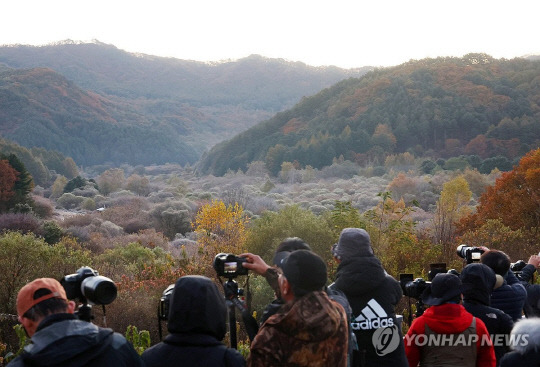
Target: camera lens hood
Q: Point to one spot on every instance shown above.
(99, 290)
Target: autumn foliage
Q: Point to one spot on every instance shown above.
(514, 199)
(8, 176)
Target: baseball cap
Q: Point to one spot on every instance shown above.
(25, 298)
(444, 287)
(305, 270)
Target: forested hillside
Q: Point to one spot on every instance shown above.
(444, 107)
(40, 108)
(99, 104)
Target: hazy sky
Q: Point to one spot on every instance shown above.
(345, 33)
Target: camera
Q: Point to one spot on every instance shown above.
(469, 253)
(89, 287)
(415, 287)
(164, 302)
(412, 288)
(229, 265)
(517, 268)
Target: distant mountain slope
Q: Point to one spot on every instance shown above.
(40, 108)
(440, 107)
(192, 105)
(255, 81)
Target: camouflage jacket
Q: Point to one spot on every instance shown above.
(310, 331)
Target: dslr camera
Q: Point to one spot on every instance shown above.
(164, 303)
(89, 287)
(469, 253)
(517, 268)
(229, 265)
(412, 288)
(415, 287)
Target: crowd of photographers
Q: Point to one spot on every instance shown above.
(483, 316)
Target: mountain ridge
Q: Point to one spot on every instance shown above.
(443, 107)
(187, 103)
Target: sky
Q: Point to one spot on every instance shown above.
(344, 33)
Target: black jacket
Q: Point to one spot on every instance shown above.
(63, 341)
(510, 297)
(196, 325)
(532, 305)
(367, 286)
(479, 279)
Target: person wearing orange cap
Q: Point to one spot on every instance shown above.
(59, 339)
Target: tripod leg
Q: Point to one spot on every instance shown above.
(232, 326)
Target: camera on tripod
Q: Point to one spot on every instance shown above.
(89, 288)
(164, 303)
(229, 265)
(469, 253)
(414, 288)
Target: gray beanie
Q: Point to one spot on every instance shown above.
(353, 242)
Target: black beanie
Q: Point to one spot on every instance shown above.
(305, 271)
(353, 242)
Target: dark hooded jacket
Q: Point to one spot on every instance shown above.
(196, 325)
(479, 280)
(372, 295)
(366, 284)
(526, 336)
(62, 340)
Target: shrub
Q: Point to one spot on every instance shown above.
(89, 204)
(24, 257)
(52, 233)
(271, 228)
(21, 222)
(69, 201)
(78, 220)
(42, 207)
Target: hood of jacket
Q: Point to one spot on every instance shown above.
(525, 335)
(311, 318)
(197, 307)
(358, 275)
(481, 279)
(448, 318)
(69, 341)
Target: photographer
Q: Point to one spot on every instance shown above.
(532, 304)
(361, 276)
(197, 325)
(257, 265)
(480, 280)
(511, 295)
(58, 338)
(309, 329)
(446, 334)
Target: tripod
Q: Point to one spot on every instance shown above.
(420, 308)
(231, 298)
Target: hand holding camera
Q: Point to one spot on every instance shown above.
(255, 263)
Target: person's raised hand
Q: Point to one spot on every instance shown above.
(534, 260)
(255, 263)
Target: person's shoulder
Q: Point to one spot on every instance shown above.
(234, 358)
(17, 362)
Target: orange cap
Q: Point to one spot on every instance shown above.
(25, 298)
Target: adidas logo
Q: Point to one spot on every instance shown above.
(372, 316)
